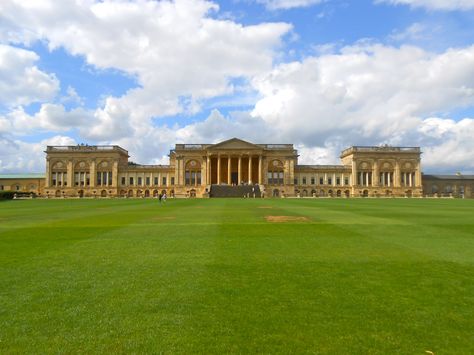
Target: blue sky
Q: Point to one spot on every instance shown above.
(323, 75)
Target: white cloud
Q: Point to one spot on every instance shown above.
(16, 155)
(287, 4)
(177, 51)
(434, 4)
(366, 95)
(21, 82)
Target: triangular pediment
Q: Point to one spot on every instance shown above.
(234, 143)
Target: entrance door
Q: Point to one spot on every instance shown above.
(234, 178)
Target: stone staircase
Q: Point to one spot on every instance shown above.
(235, 191)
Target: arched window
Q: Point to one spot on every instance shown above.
(275, 174)
(81, 174)
(192, 174)
(59, 174)
(104, 173)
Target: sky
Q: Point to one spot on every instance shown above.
(321, 74)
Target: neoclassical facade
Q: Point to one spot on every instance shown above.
(238, 168)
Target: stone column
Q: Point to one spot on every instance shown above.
(260, 170)
(168, 182)
(92, 172)
(410, 181)
(115, 174)
(70, 174)
(418, 182)
(239, 168)
(208, 170)
(354, 173)
(334, 179)
(396, 180)
(250, 168)
(229, 165)
(376, 174)
(218, 169)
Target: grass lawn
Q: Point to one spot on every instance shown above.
(348, 276)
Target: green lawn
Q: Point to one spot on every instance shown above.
(358, 276)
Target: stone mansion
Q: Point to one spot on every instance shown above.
(236, 168)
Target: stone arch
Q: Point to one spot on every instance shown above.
(365, 193)
(123, 193)
(313, 193)
(103, 193)
(155, 193)
(305, 193)
(347, 193)
(322, 193)
(147, 193)
(330, 193)
(57, 193)
(130, 193)
(81, 193)
(192, 193)
(338, 193)
(276, 193)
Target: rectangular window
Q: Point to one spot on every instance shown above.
(164, 180)
(123, 180)
(172, 179)
(338, 181)
(54, 181)
(131, 181)
(110, 178)
(295, 181)
(187, 176)
(312, 181)
(321, 181)
(76, 179)
(280, 178)
(193, 177)
(147, 181)
(270, 178)
(104, 178)
(64, 179)
(304, 180)
(88, 179)
(139, 181)
(346, 181)
(155, 181)
(99, 179)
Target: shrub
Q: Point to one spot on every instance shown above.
(6, 195)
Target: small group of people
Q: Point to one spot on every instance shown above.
(162, 197)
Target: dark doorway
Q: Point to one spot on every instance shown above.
(234, 178)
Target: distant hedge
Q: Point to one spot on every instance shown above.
(9, 195)
(6, 195)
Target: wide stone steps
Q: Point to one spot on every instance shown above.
(235, 191)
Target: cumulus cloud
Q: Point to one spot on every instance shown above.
(17, 155)
(21, 82)
(365, 95)
(434, 4)
(287, 4)
(178, 53)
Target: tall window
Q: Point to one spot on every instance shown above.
(81, 174)
(275, 173)
(192, 174)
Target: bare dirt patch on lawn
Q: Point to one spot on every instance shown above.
(286, 219)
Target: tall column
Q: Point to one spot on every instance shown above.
(260, 170)
(208, 171)
(168, 182)
(396, 180)
(334, 179)
(70, 174)
(418, 182)
(376, 174)
(239, 170)
(410, 181)
(342, 179)
(93, 175)
(250, 169)
(229, 165)
(47, 182)
(115, 174)
(218, 169)
(354, 173)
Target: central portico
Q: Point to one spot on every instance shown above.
(233, 162)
